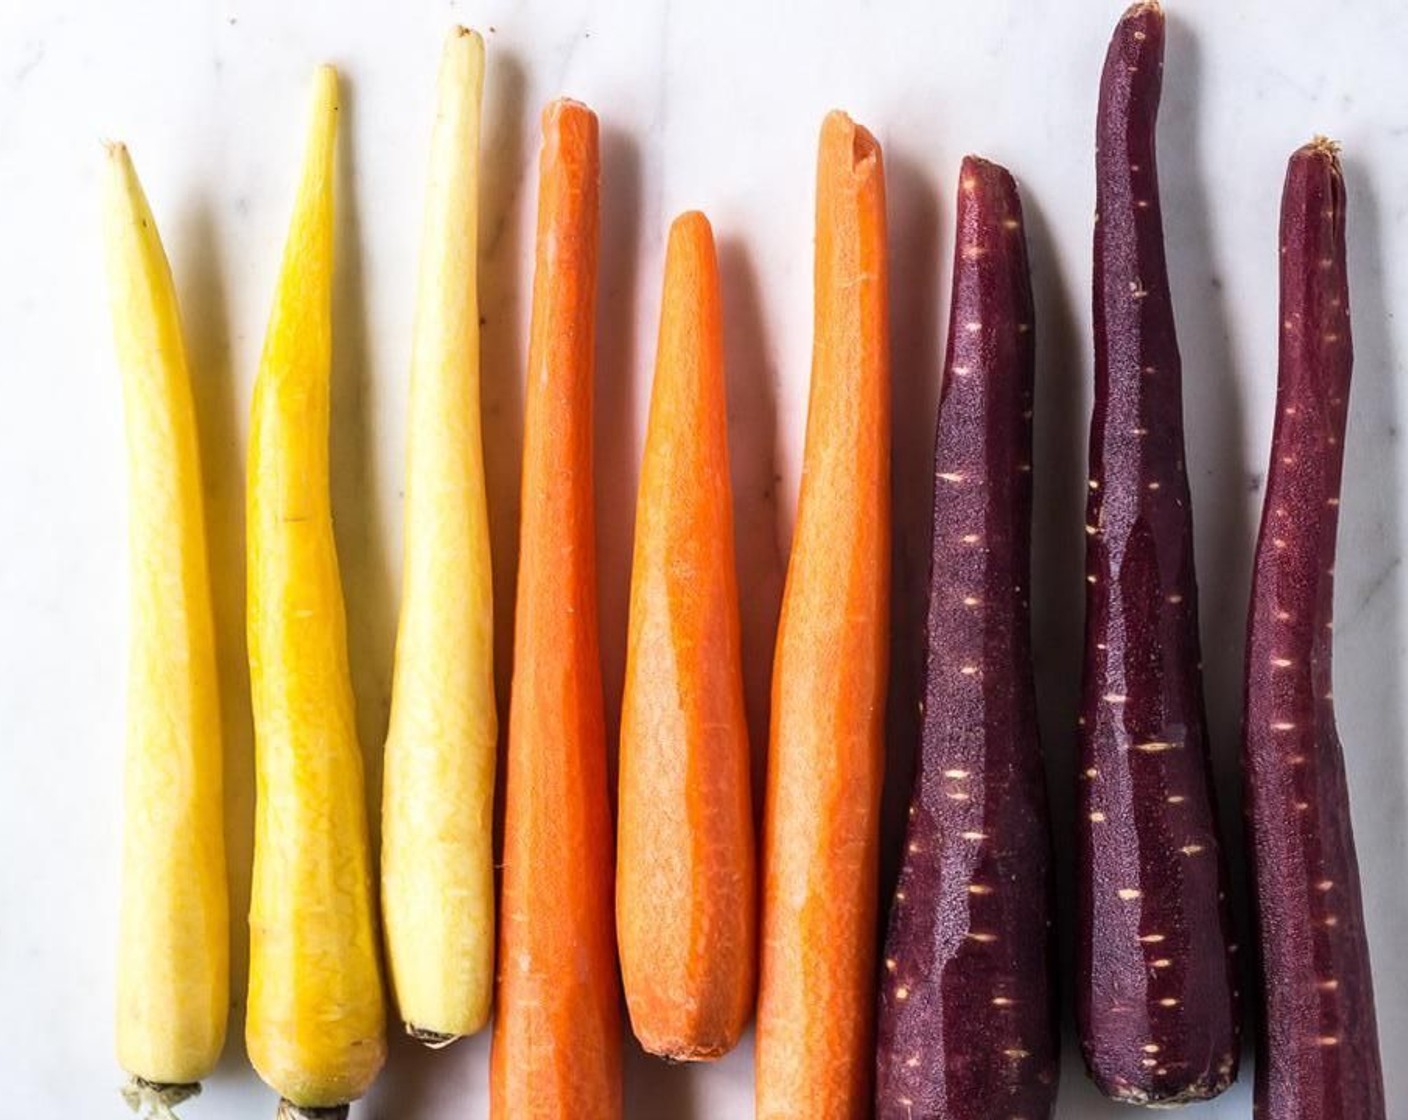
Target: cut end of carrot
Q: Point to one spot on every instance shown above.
(566, 114)
(325, 86)
(979, 172)
(157, 1100)
(570, 132)
(1152, 8)
(839, 132)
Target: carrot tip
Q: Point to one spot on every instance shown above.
(690, 1055)
(1145, 7)
(865, 150)
(434, 1040)
(562, 109)
(157, 1100)
(691, 218)
(980, 169)
(1323, 146)
(839, 129)
(290, 1111)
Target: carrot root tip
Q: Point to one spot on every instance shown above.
(290, 1111)
(679, 1054)
(1323, 145)
(435, 1040)
(1204, 1091)
(157, 1100)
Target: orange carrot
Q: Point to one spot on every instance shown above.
(821, 834)
(557, 1032)
(686, 901)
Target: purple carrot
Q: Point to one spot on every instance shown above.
(1156, 996)
(966, 1029)
(1319, 1048)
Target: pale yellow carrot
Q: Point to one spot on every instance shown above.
(437, 872)
(173, 993)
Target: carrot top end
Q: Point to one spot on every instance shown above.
(1322, 146)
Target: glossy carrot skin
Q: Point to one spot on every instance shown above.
(557, 1033)
(686, 884)
(1156, 1000)
(967, 1024)
(815, 1049)
(1318, 1057)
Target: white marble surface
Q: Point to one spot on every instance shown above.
(709, 105)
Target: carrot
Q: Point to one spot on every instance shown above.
(316, 1025)
(1319, 1049)
(1156, 997)
(686, 897)
(173, 986)
(821, 827)
(967, 1012)
(437, 857)
(557, 1030)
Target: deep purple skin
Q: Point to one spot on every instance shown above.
(966, 1019)
(1318, 1057)
(1156, 999)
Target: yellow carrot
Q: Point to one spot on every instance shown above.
(316, 1024)
(438, 802)
(173, 993)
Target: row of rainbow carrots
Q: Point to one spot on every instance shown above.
(679, 904)
(702, 938)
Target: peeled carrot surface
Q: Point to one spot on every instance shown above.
(821, 832)
(557, 1029)
(437, 876)
(1318, 1054)
(686, 899)
(315, 1027)
(173, 988)
(967, 1026)
(1156, 986)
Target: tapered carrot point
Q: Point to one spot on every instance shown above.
(686, 883)
(557, 1046)
(821, 829)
